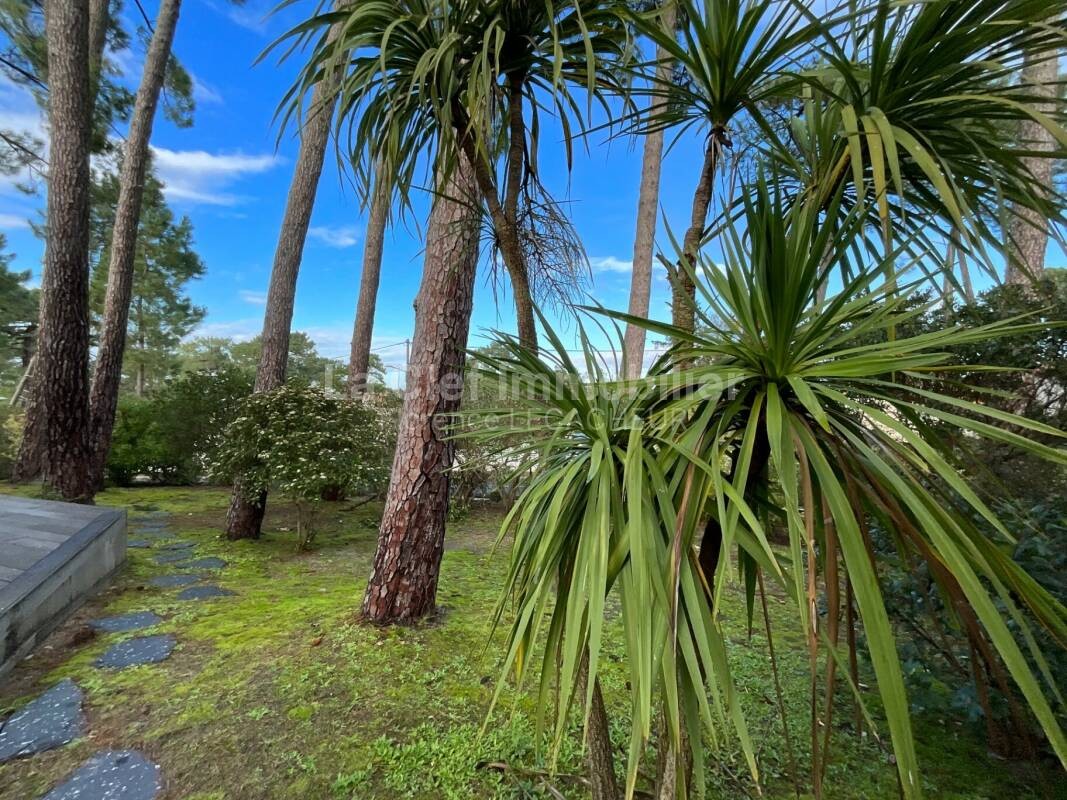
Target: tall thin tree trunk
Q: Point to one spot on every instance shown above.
(683, 290)
(63, 345)
(965, 278)
(1028, 235)
(948, 288)
(647, 208)
(599, 757)
(403, 583)
(363, 327)
(504, 216)
(99, 14)
(107, 375)
(28, 461)
(245, 516)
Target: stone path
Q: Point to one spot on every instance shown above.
(52, 720)
(136, 652)
(204, 563)
(127, 622)
(111, 775)
(171, 557)
(56, 717)
(172, 581)
(176, 545)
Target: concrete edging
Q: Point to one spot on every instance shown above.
(36, 602)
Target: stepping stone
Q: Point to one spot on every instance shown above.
(172, 557)
(138, 543)
(176, 546)
(134, 652)
(127, 622)
(111, 775)
(53, 719)
(204, 593)
(172, 581)
(204, 563)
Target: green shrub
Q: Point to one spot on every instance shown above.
(169, 436)
(137, 448)
(304, 444)
(10, 433)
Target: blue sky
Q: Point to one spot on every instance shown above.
(230, 176)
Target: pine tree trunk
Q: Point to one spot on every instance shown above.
(63, 345)
(647, 208)
(1028, 235)
(683, 290)
(363, 328)
(27, 464)
(99, 13)
(403, 583)
(245, 517)
(107, 375)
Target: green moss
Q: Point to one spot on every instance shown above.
(279, 692)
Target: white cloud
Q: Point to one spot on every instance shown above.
(253, 298)
(204, 93)
(128, 63)
(610, 264)
(339, 236)
(10, 222)
(197, 176)
(240, 329)
(252, 16)
(20, 114)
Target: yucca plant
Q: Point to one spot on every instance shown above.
(784, 414)
(735, 57)
(423, 81)
(915, 107)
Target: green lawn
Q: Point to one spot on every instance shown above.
(279, 692)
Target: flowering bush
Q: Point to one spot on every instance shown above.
(304, 444)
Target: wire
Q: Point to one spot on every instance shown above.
(404, 343)
(24, 73)
(144, 16)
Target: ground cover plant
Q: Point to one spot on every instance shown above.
(278, 692)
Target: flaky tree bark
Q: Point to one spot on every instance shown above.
(62, 396)
(245, 516)
(363, 327)
(28, 462)
(403, 583)
(107, 375)
(647, 207)
(1028, 235)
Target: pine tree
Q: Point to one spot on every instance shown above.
(18, 320)
(161, 314)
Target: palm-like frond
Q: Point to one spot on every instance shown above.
(601, 515)
(733, 55)
(917, 106)
(824, 419)
(416, 76)
(845, 420)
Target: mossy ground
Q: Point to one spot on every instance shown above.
(280, 692)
